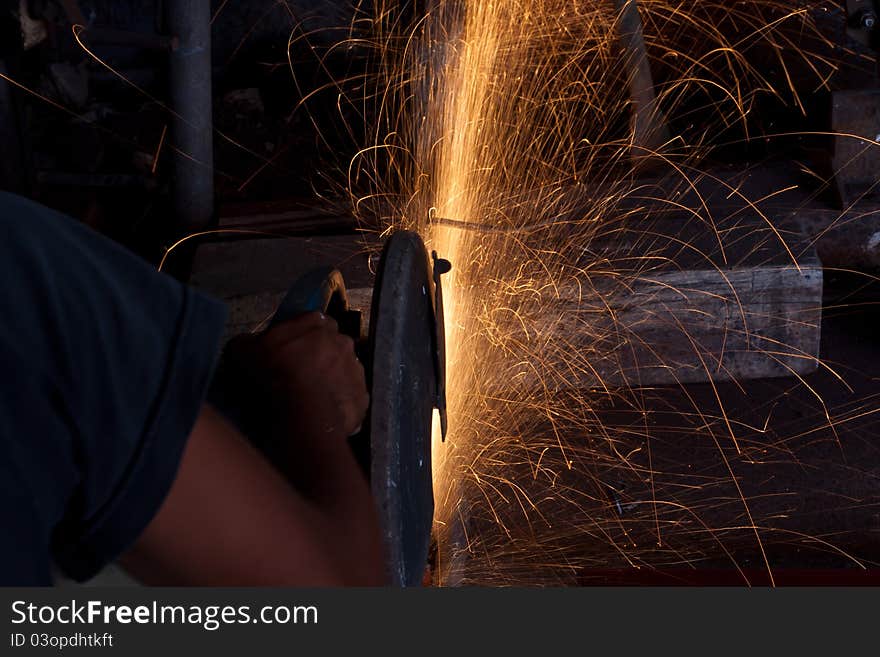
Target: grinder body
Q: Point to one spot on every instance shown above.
(404, 361)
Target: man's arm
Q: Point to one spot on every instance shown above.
(230, 519)
(106, 366)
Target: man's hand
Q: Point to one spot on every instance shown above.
(304, 382)
(316, 524)
(310, 371)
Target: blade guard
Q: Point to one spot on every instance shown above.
(407, 382)
(320, 290)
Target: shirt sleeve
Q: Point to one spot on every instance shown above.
(114, 359)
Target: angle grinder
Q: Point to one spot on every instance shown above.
(404, 361)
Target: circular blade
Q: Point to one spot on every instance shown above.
(403, 391)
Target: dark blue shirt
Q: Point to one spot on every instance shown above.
(104, 364)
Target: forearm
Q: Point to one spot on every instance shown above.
(304, 391)
(328, 474)
(231, 519)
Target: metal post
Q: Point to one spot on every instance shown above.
(649, 130)
(192, 182)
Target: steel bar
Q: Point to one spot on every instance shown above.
(649, 130)
(192, 179)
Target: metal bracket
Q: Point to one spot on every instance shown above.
(441, 266)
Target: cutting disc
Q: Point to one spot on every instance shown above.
(404, 391)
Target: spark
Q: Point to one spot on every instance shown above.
(501, 131)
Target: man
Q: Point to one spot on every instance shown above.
(107, 447)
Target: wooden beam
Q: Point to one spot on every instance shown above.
(855, 122)
(733, 300)
(843, 240)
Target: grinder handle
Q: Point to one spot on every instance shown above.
(321, 290)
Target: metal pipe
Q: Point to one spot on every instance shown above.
(191, 134)
(648, 125)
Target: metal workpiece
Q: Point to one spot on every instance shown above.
(192, 127)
